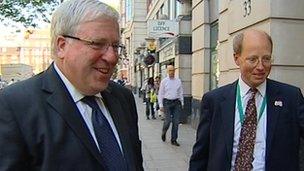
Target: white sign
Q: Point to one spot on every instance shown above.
(167, 53)
(162, 28)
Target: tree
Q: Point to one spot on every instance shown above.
(27, 12)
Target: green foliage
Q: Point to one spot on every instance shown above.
(30, 13)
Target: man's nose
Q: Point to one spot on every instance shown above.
(260, 64)
(110, 55)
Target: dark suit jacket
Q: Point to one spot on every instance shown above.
(285, 125)
(42, 129)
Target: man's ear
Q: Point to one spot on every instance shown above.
(60, 46)
(236, 57)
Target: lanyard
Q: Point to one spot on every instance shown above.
(240, 105)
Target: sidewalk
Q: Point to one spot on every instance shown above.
(162, 156)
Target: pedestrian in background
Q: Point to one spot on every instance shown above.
(121, 80)
(143, 90)
(156, 86)
(254, 123)
(171, 101)
(71, 117)
(150, 91)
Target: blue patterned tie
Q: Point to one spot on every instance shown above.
(109, 148)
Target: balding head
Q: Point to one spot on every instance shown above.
(252, 54)
(171, 71)
(238, 39)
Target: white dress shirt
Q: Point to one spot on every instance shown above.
(170, 88)
(260, 142)
(86, 110)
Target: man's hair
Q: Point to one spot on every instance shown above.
(71, 13)
(238, 42)
(150, 81)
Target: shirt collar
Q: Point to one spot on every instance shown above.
(76, 95)
(245, 88)
(169, 78)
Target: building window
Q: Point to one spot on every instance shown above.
(214, 61)
(128, 10)
(171, 9)
(178, 9)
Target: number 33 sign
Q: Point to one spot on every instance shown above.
(247, 8)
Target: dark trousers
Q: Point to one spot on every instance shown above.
(144, 96)
(172, 112)
(149, 108)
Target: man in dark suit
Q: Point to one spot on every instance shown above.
(70, 117)
(254, 123)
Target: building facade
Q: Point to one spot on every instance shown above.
(216, 22)
(210, 26)
(133, 29)
(175, 50)
(30, 47)
(151, 54)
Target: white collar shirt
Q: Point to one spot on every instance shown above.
(86, 110)
(260, 142)
(170, 88)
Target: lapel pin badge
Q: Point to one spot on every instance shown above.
(278, 103)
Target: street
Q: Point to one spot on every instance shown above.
(159, 155)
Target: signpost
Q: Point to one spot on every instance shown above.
(162, 28)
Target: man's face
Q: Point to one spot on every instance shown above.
(255, 58)
(171, 71)
(87, 67)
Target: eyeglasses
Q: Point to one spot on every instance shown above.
(102, 46)
(265, 60)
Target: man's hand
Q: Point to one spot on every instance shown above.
(162, 109)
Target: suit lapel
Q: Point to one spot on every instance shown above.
(228, 115)
(273, 112)
(62, 102)
(115, 109)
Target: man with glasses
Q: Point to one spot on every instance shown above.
(254, 123)
(71, 116)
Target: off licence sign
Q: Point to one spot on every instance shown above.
(162, 28)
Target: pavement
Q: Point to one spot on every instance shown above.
(159, 155)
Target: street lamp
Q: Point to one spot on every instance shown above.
(139, 56)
